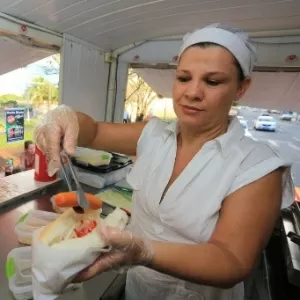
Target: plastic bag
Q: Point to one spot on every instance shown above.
(53, 268)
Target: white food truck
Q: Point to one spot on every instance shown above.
(100, 39)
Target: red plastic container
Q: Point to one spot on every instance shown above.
(41, 166)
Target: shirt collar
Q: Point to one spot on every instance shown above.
(235, 132)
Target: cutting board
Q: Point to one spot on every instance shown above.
(116, 198)
(20, 185)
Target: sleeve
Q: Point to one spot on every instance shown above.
(152, 129)
(261, 161)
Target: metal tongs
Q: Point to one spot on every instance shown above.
(82, 202)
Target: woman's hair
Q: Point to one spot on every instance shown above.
(27, 144)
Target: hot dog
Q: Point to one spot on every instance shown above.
(71, 230)
(69, 199)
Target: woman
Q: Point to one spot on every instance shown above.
(28, 156)
(206, 197)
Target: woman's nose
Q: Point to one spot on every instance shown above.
(194, 91)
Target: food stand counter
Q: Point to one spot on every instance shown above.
(103, 286)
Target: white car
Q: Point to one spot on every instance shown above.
(267, 123)
(245, 125)
(286, 117)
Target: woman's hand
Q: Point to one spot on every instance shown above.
(126, 250)
(60, 125)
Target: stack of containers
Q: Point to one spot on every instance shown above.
(19, 260)
(18, 273)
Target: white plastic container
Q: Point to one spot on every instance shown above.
(24, 233)
(38, 218)
(92, 157)
(30, 222)
(18, 273)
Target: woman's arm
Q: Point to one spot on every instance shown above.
(63, 127)
(246, 221)
(114, 137)
(22, 162)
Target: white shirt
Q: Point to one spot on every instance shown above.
(190, 208)
(126, 115)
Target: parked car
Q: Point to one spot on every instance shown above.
(267, 123)
(245, 125)
(286, 117)
(265, 114)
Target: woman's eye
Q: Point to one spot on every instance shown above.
(183, 79)
(212, 82)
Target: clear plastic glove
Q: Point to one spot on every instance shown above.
(127, 250)
(58, 127)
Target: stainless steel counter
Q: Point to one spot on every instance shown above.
(91, 290)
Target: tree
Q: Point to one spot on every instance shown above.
(139, 93)
(9, 97)
(41, 90)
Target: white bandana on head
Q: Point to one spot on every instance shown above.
(236, 43)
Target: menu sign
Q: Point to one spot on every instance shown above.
(14, 124)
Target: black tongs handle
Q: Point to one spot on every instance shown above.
(294, 237)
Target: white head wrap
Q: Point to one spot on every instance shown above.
(237, 42)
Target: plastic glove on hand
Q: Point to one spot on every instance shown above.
(127, 250)
(59, 124)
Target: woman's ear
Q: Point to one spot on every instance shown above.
(244, 85)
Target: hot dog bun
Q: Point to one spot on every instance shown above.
(62, 232)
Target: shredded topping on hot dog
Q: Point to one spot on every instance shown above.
(84, 227)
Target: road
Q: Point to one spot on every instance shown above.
(286, 139)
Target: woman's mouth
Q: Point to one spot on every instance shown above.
(190, 110)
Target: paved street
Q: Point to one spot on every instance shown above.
(286, 139)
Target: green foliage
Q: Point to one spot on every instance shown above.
(9, 103)
(42, 91)
(9, 97)
(30, 123)
(140, 93)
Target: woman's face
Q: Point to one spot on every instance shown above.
(205, 86)
(31, 149)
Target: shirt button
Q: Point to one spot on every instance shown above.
(158, 229)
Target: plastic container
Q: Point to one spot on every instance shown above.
(101, 180)
(38, 218)
(18, 273)
(31, 221)
(24, 233)
(92, 157)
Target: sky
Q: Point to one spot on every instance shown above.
(15, 82)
